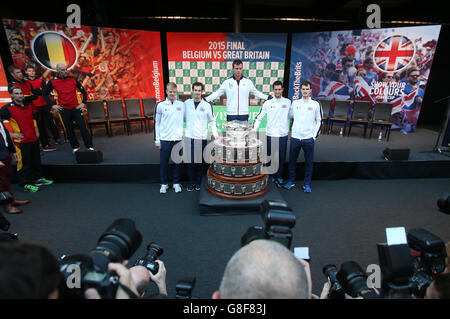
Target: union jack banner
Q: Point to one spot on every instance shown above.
(394, 53)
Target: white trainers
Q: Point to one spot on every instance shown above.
(163, 189)
(91, 149)
(177, 188)
(75, 150)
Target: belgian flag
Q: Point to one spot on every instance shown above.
(52, 48)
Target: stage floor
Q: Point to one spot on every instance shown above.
(139, 148)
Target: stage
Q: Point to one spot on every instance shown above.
(135, 158)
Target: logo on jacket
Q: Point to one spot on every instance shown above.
(178, 108)
(284, 106)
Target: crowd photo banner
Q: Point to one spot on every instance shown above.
(376, 65)
(208, 58)
(110, 63)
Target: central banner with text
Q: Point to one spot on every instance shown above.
(208, 58)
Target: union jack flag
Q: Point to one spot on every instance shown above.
(362, 90)
(394, 53)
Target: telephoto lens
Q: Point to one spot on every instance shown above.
(354, 281)
(336, 290)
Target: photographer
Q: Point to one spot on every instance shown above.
(439, 288)
(28, 271)
(141, 278)
(127, 288)
(264, 269)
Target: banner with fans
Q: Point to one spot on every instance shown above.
(376, 65)
(110, 63)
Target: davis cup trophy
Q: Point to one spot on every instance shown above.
(235, 172)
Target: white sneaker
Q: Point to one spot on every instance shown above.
(163, 189)
(75, 150)
(91, 149)
(177, 188)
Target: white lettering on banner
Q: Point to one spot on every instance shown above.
(235, 46)
(297, 75)
(232, 54)
(155, 77)
(197, 54)
(254, 55)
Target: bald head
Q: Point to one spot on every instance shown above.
(141, 278)
(264, 269)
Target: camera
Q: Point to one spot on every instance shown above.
(278, 219)
(408, 269)
(148, 260)
(336, 290)
(118, 243)
(184, 288)
(354, 281)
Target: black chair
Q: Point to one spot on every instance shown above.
(382, 118)
(326, 107)
(115, 114)
(360, 115)
(96, 115)
(340, 114)
(149, 105)
(134, 114)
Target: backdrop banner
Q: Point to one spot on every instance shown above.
(375, 65)
(110, 63)
(208, 57)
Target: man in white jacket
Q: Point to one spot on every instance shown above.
(198, 114)
(168, 132)
(277, 129)
(237, 88)
(306, 114)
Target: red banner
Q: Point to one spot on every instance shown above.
(110, 63)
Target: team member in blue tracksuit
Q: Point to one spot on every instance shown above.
(277, 127)
(169, 121)
(198, 113)
(306, 114)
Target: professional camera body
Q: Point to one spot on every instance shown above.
(148, 260)
(278, 219)
(408, 269)
(118, 243)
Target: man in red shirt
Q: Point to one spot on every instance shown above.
(30, 175)
(20, 81)
(68, 105)
(42, 113)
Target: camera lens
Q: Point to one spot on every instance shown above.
(354, 280)
(119, 241)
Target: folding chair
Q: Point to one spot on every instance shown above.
(382, 118)
(96, 115)
(326, 107)
(115, 114)
(134, 114)
(149, 105)
(340, 113)
(360, 115)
